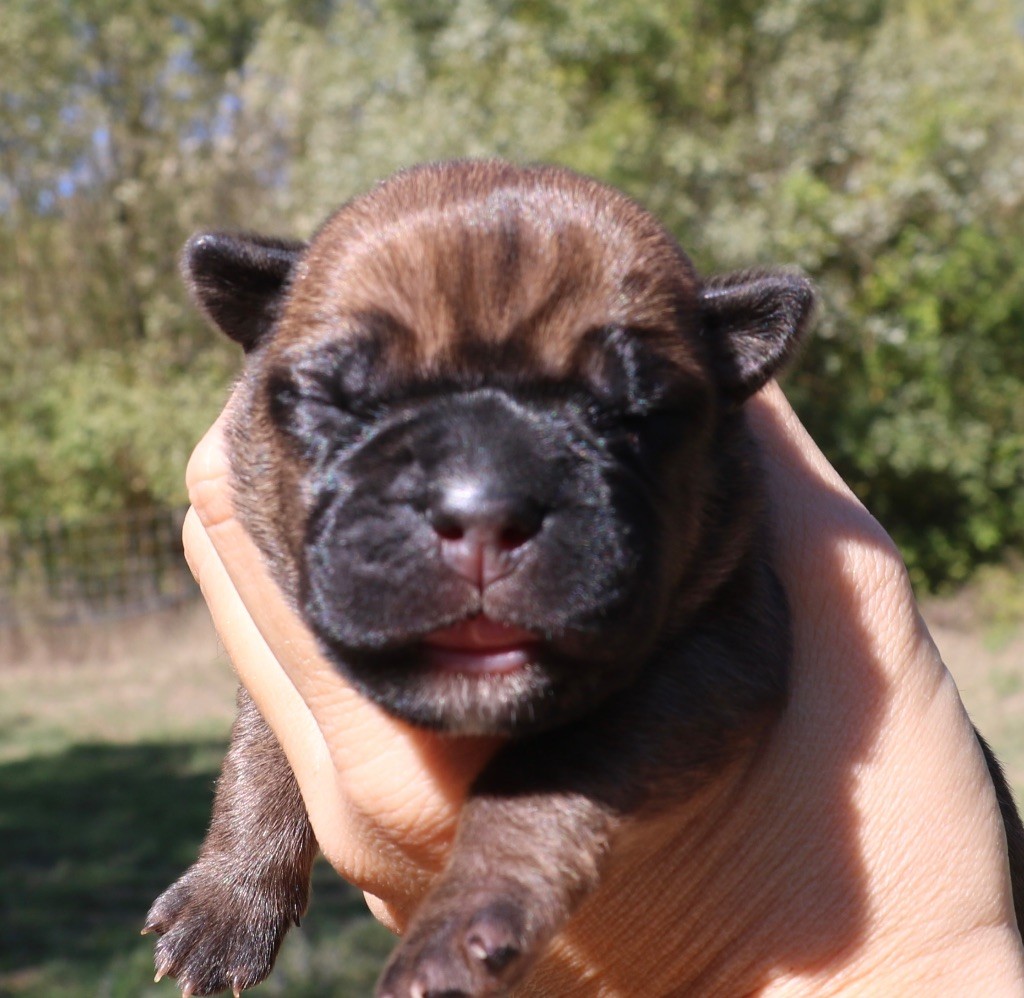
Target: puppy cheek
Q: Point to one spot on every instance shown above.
(373, 578)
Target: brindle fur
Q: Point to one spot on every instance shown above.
(461, 296)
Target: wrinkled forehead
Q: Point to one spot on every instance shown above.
(539, 266)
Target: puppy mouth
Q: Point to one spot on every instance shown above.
(479, 646)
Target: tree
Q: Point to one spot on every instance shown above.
(118, 139)
(877, 144)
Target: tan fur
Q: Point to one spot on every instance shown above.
(534, 264)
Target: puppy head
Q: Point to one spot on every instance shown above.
(488, 433)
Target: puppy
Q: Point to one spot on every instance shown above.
(490, 440)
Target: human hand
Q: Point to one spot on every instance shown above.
(861, 852)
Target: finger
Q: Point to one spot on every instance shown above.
(385, 913)
(402, 788)
(345, 832)
(866, 671)
(257, 667)
(835, 559)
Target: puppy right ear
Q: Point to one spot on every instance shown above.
(239, 281)
(756, 319)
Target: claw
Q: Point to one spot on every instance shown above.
(161, 969)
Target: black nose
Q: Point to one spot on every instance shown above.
(482, 533)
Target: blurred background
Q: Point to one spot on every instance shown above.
(877, 144)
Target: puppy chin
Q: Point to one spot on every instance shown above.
(477, 677)
(513, 702)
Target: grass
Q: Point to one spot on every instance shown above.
(107, 765)
(109, 748)
(989, 673)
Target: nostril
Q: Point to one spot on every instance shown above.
(512, 537)
(449, 531)
(447, 525)
(483, 543)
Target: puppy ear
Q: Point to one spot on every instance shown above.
(239, 280)
(755, 320)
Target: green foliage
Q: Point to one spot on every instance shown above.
(879, 145)
(98, 435)
(108, 762)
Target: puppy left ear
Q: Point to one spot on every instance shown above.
(239, 280)
(755, 320)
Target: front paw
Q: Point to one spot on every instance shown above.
(219, 932)
(467, 948)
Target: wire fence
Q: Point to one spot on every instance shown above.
(55, 572)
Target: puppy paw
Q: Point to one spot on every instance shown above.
(476, 951)
(218, 933)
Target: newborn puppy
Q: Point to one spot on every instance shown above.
(490, 440)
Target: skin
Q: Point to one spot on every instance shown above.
(859, 852)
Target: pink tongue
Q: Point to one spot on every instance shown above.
(479, 634)
(479, 647)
